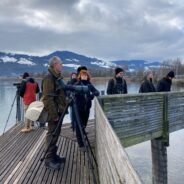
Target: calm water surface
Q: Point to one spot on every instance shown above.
(140, 155)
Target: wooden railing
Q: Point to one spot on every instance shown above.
(125, 120)
(141, 117)
(113, 163)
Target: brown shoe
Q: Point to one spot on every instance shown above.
(25, 130)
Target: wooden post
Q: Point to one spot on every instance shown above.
(159, 162)
(159, 150)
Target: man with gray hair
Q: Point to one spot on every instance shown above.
(54, 102)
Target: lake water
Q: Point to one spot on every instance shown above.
(7, 95)
(140, 154)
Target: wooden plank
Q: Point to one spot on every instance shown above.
(17, 154)
(66, 165)
(24, 165)
(65, 148)
(33, 167)
(27, 161)
(21, 155)
(74, 168)
(60, 152)
(70, 165)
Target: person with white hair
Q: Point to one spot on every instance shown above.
(54, 100)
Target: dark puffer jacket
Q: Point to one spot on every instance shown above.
(54, 101)
(83, 100)
(147, 87)
(164, 85)
(117, 86)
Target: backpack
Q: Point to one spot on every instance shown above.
(115, 83)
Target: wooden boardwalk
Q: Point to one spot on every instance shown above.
(20, 155)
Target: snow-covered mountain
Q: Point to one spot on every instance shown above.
(133, 65)
(15, 64)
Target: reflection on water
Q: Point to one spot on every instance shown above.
(140, 155)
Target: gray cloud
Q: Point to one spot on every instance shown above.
(106, 29)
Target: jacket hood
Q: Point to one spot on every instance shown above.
(30, 79)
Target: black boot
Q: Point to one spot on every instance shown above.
(59, 159)
(52, 165)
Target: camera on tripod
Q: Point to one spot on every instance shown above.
(72, 88)
(17, 84)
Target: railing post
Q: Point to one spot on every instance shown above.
(165, 134)
(159, 149)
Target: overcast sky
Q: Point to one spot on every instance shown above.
(106, 29)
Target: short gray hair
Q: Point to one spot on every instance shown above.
(54, 60)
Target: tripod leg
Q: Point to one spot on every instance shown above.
(10, 113)
(86, 144)
(59, 124)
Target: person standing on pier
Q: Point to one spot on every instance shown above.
(84, 101)
(147, 83)
(117, 85)
(165, 83)
(72, 81)
(54, 102)
(28, 90)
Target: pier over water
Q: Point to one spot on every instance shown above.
(120, 121)
(126, 120)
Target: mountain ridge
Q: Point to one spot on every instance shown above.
(12, 64)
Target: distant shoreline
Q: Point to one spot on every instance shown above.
(10, 78)
(93, 79)
(19, 78)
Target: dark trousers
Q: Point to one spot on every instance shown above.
(84, 116)
(72, 117)
(52, 148)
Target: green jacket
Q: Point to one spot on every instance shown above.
(54, 102)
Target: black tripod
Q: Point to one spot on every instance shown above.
(18, 107)
(87, 146)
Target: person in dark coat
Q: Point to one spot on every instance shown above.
(117, 85)
(147, 84)
(165, 83)
(72, 81)
(73, 78)
(55, 101)
(84, 102)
